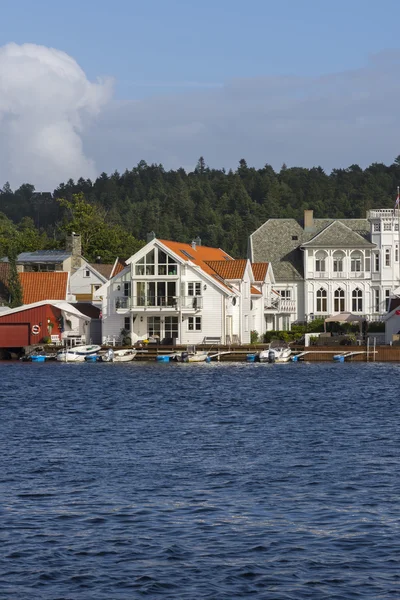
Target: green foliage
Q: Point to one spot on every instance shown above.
(254, 337)
(223, 208)
(14, 284)
(315, 326)
(376, 327)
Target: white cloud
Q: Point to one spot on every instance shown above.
(47, 129)
(45, 103)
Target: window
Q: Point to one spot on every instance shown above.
(285, 323)
(396, 253)
(338, 262)
(356, 262)
(194, 323)
(377, 226)
(86, 273)
(357, 302)
(171, 327)
(387, 257)
(377, 265)
(127, 323)
(387, 299)
(127, 288)
(321, 300)
(295, 237)
(285, 294)
(377, 300)
(338, 300)
(145, 266)
(320, 262)
(194, 288)
(387, 227)
(166, 265)
(396, 226)
(154, 326)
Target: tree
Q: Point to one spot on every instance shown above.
(14, 284)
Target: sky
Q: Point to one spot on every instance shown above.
(89, 86)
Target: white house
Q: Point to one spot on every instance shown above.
(187, 294)
(89, 277)
(327, 266)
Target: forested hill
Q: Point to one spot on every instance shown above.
(223, 208)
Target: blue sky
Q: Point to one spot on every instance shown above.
(298, 81)
(152, 46)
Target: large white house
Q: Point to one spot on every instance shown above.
(189, 294)
(328, 266)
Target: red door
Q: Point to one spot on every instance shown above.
(14, 335)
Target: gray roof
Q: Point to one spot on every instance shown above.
(43, 256)
(279, 241)
(338, 235)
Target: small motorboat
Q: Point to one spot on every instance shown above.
(279, 352)
(77, 353)
(111, 355)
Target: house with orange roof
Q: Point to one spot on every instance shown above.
(45, 286)
(187, 294)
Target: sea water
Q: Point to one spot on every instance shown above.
(199, 481)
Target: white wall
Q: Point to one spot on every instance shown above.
(79, 284)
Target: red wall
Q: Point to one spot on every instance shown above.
(31, 316)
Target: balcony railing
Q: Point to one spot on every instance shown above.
(192, 303)
(280, 305)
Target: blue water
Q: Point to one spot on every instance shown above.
(195, 481)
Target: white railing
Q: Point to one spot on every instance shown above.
(280, 305)
(383, 212)
(167, 302)
(339, 275)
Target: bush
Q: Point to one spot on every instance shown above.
(254, 337)
(376, 327)
(46, 339)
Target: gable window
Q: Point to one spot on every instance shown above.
(145, 266)
(356, 262)
(194, 323)
(357, 300)
(86, 273)
(166, 264)
(194, 288)
(322, 304)
(320, 262)
(338, 300)
(387, 257)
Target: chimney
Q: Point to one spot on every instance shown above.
(197, 241)
(308, 220)
(74, 246)
(150, 236)
(193, 244)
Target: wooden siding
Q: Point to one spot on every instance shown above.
(31, 317)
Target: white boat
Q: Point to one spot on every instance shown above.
(190, 355)
(124, 355)
(77, 353)
(279, 352)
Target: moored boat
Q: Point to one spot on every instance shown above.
(77, 353)
(279, 352)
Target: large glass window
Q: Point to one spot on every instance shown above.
(357, 300)
(166, 265)
(171, 327)
(154, 326)
(322, 304)
(338, 300)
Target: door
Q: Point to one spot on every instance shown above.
(166, 329)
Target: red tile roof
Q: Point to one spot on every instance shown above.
(260, 270)
(44, 286)
(255, 291)
(200, 255)
(118, 267)
(228, 269)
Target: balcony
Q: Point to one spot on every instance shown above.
(280, 305)
(184, 303)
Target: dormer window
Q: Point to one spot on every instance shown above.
(295, 237)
